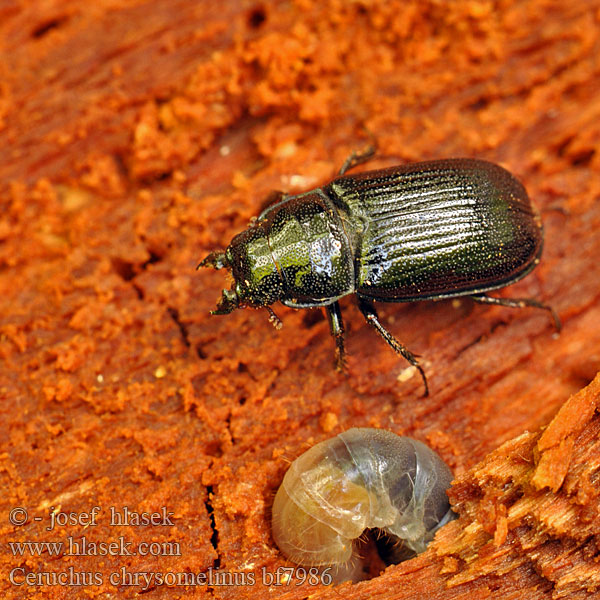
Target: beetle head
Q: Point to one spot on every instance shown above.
(257, 280)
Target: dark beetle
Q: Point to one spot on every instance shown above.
(423, 231)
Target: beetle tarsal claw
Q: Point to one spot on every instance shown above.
(216, 260)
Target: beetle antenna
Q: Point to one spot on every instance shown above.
(277, 322)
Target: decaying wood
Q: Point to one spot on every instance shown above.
(137, 136)
(534, 501)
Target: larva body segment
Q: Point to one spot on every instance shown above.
(361, 479)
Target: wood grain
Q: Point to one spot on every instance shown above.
(138, 136)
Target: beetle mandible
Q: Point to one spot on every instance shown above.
(421, 231)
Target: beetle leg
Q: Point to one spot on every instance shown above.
(357, 158)
(336, 327)
(274, 319)
(368, 310)
(519, 303)
(272, 200)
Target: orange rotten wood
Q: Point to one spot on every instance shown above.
(137, 136)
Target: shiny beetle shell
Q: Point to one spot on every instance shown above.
(423, 231)
(361, 479)
(438, 229)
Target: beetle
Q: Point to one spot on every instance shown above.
(421, 231)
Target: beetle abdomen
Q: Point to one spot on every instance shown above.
(439, 229)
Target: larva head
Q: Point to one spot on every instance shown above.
(257, 281)
(317, 512)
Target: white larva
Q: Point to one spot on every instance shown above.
(361, 479)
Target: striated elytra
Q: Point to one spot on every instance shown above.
(423, 231)
(361, 479)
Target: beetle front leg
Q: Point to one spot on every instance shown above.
(370, 314)
(519, 303)
(272, 200)
(357, 158)
(336, 327)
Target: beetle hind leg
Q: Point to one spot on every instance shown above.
(336, 327)
(519, 303)
(370, 314)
